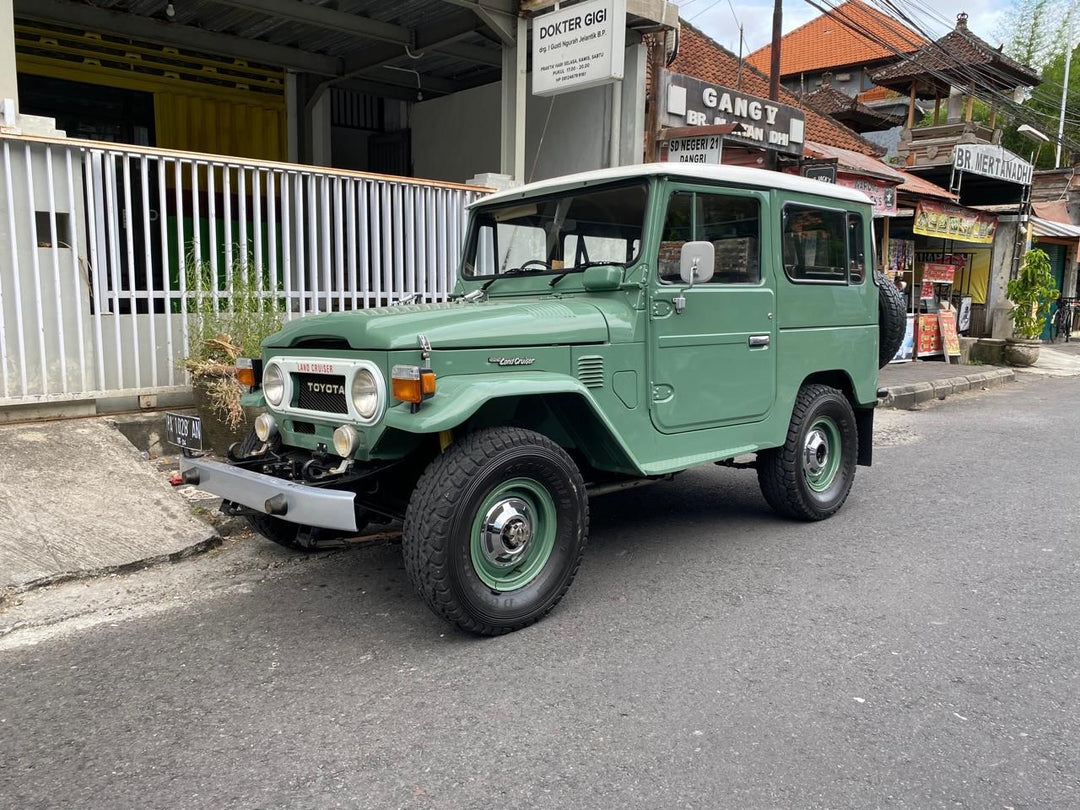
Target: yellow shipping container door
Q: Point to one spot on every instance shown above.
(220, 126)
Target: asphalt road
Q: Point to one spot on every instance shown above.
(918, 650)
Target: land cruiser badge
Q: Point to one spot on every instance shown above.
(512, 361)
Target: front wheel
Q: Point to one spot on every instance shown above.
(495, 530)
(809, 477)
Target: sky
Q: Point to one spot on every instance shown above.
(716, 17)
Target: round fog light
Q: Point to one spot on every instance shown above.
(345, 441)
(265, 427)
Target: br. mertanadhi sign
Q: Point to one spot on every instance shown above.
(687, 101)
(990, 160)
(579, 46)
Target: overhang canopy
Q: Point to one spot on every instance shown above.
(409, 46)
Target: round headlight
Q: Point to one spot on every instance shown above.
(273, 384)
(365, 394)
(265, 427)
(345, 438)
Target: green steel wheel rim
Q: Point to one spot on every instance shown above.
(822, 454)
(513, 534)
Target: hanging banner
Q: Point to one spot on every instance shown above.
(881, 194)
(580, 46)
(947, 221)
(939, 273)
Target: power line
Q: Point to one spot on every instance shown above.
(979, 78)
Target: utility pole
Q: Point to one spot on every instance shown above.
(1065, 84)
(774, 61)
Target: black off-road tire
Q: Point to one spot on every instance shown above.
(892, 319)
(446, 503)
(281, 531)
(784, 473)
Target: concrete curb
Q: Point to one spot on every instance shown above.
(211, 542)
(908, 396)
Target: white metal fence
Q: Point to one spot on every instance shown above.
(105, 244)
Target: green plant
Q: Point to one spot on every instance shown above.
(229, 315)
(1032, 292)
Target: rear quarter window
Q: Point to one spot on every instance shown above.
(822, 245)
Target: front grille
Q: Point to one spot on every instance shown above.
(320, 392)
(306, 428)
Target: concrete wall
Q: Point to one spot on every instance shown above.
(455, 137)
(458, 136)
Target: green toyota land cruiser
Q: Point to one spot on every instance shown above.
(607, 329)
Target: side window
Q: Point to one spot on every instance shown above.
(856, 253)
(815, 244)
(732, 224)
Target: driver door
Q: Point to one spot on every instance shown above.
(713, 352)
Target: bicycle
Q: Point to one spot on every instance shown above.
(1061, 325)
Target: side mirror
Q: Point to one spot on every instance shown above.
(602, 278)
(696, 262)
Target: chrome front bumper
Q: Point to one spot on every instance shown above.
(306, 505)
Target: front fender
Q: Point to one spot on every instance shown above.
(458, 398)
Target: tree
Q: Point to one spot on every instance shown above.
(1031, 30)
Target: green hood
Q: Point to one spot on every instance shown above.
(451, 326)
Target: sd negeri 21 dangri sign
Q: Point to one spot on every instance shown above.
(579, 46)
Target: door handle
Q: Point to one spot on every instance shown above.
(758, 340)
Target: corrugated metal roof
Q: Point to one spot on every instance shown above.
(220, 18)
(1058, 230)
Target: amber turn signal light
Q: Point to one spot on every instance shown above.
(249, 371)
(411, 383)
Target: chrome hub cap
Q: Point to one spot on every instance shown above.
(816, 452)
(506, 532)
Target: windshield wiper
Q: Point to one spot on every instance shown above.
(517, 271)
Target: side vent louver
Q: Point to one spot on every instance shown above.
(590, 370)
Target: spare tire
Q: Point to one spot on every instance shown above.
(892, 319)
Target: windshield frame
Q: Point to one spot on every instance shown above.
(466, 268)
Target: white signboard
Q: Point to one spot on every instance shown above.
(704, 149)
(579, 46)
(993, 161)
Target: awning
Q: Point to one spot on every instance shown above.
(1051, 219)
(1056, 230)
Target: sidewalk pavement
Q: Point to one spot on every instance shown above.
(78, 499)
(911, 384)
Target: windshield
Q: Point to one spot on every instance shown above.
(558, 234)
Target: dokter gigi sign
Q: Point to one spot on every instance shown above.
(687, 101)
(580, 46)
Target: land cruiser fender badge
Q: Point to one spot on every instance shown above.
(512, 361)
(425, 346)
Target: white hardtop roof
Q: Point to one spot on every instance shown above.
(723, 175)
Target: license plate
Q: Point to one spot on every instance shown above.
(183, 431)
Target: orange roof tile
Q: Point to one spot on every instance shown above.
(879, 94)
(701, 57)
(827, 41)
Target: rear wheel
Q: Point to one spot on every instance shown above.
(495, 530)
(810, 476)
